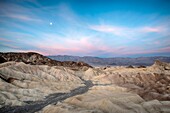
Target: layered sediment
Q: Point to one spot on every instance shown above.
(62, 89)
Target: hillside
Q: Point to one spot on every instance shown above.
(38, 59)
(29, 88)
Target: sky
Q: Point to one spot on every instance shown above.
(103, 28)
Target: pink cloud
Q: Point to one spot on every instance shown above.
(152, 29)
(68, 48)
(108, 29)
(126, 32)
(84, 43)
(23, 17)
(116, 51)
(6, 40)
(83, 46)
(165, 49)
(156, 42)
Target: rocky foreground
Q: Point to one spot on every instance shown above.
(60, 89)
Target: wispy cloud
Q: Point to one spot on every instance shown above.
(67, 46)
(15, 36)
(125, 31)
(9, 46)
(22, 17)
(70, 17)
(152, 29)
(19, 12)
(5, 40)
(25, 27)
(85, 45)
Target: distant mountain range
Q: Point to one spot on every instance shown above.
(96, 61)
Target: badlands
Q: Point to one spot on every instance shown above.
(30, 82)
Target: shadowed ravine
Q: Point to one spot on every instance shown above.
(51, 99)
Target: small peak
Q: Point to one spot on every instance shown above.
(158, 62)
(162, 65)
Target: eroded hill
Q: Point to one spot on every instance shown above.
(60, 89)
(38, 59)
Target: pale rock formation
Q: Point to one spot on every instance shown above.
(150, 83)
(108, 99)
(116, 89)
(23, 82)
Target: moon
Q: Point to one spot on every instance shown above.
(51, 23)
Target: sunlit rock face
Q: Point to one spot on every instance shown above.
(121, 90)
(150, 83)
(22, 82)
(108, 99)
(117, 89)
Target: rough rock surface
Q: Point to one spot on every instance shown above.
(108, 99)
(150, 83)
(116, 89)
(20, 82)
(38, 59)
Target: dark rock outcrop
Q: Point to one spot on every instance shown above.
(2, 60)
(38, 59)
(141, 66)
(130, 66)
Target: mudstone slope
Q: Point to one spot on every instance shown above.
(118, 89)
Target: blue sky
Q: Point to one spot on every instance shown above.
(104, 28)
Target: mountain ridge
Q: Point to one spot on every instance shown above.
(97, 61)
(38, 59)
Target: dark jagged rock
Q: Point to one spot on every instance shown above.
(38, 59)
(130, 66)
(141, 66)
(2, 60)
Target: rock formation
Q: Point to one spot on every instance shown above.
(20, 82)
(106, 99)
(34, 81)
(2, 60)
(38, 59)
